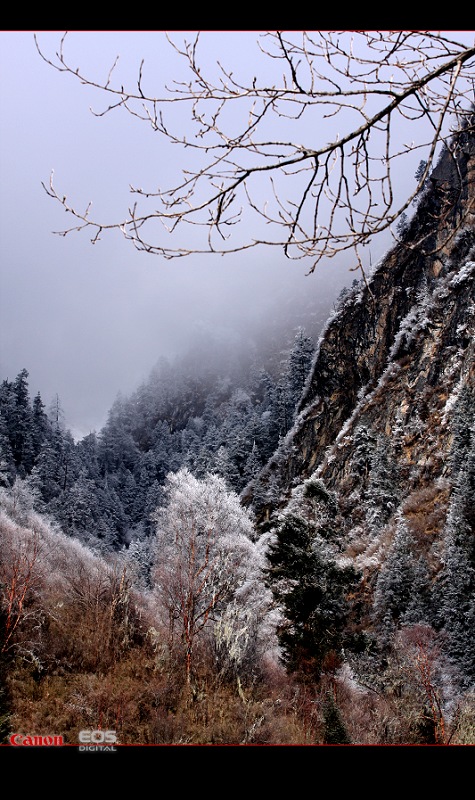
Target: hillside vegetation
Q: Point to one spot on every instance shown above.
(275, 547)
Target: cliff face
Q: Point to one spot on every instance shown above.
(392, 362)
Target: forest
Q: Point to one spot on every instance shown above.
(96, 534)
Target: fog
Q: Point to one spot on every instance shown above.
(90, 321)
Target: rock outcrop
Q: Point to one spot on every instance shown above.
(393, 359)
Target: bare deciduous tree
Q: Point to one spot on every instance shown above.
(424, 663)
(306, 157)
(20, 578)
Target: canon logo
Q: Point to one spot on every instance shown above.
(19, 740)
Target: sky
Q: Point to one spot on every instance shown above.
(89, 322)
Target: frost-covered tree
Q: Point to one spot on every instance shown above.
(80, 506)
(39, 425)
(206, 565)
(116, 443)
(87, 451)
(463, 427)
(225, 467)
(383, 492)
(7, 464)
(300, 361)
(364, 446)
(294, 371)
(57, 467)
(253, 464)
(454, 591)
(17, 422)
(138, 560)
(402, 585)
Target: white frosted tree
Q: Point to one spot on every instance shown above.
(383, 492)
(396, 581)
(454, 591)
(207, 571)
(300, 361)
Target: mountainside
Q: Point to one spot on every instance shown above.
(377, 474)
(395, 357)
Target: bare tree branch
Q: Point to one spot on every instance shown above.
(246, 184)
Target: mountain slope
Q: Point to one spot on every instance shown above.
(377, 475)
(395, 355)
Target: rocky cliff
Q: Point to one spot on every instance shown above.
(393, 363)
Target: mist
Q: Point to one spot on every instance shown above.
(90, 321)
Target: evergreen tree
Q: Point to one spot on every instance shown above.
(383, 492)
(402, 585)
(138, 557)
(117, 447)
(40, 425)
(225, 467)
(364, 446)
(112, 527)
(289, 387)
(165, 450)
(191, 447)
(419, 609)
(16, 413)
(46, 472)
(87, 451)
(300, 361)
(463, 424)
(334, 731)
(311, 590)
(7, 464)
(79, 510)
(253, 464)
(22, 446)
(454, 591)
(129, 492)
(57, 466)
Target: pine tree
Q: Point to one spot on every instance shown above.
(253, 464)
(463, 424)
(138, 557)
(383, 492)
(87, 451)
(311, 590)
(334, 731)
(364, 447)
(15, 410)
(79, 508)
(300, 361)
(454, 591)
(224, 467)
(401, 588)
(57, 465)
(40, 425)
(7, 464)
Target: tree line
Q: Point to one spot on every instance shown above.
(225, 416)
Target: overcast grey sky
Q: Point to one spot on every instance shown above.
(88, 322)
